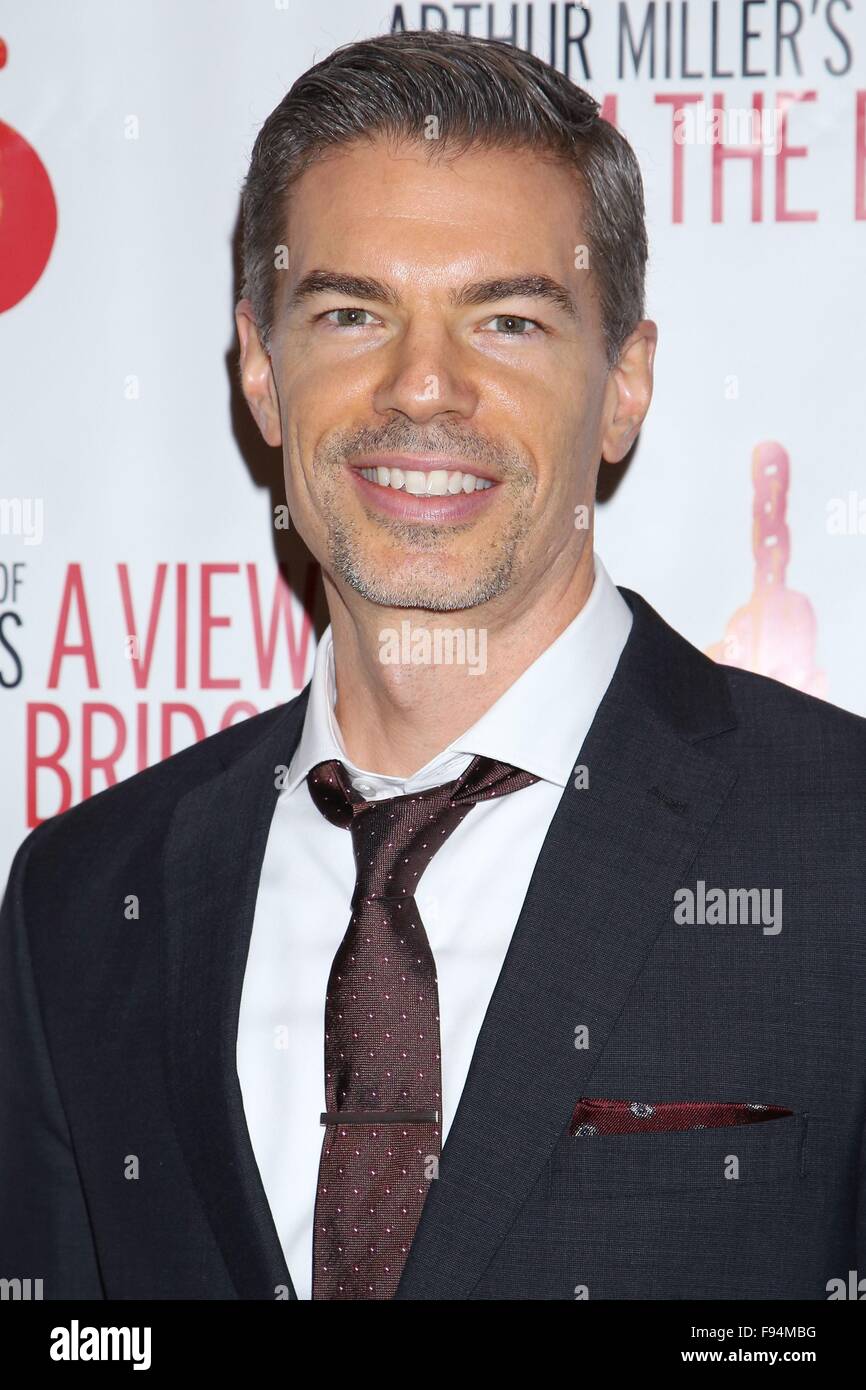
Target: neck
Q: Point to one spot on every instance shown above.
(396, 713)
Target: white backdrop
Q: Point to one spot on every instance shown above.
(126, 454)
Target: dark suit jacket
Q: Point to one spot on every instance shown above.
(117, 1036)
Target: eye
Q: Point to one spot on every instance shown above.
(516, 325)
(349, 311)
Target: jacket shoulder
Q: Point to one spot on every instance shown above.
(789, 716)
(778, 724)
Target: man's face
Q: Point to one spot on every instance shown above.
(438, 429)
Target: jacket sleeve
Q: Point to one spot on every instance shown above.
(45, 1231)
(861, 1218)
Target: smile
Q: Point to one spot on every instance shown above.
(425, 492)
(438, 482)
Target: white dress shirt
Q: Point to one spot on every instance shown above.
(469, 897)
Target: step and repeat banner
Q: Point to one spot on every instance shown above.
(146, 597)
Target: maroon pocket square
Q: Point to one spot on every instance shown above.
(642, 1117)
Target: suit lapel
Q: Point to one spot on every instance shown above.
(601, 890)
(213, 858)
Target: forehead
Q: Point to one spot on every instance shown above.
(394, 205)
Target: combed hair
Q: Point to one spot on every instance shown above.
(483, 93)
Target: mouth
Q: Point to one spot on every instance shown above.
(418, 489)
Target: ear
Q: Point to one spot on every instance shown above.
(256, 374)
(629, 392)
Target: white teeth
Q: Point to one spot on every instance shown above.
(439, 482)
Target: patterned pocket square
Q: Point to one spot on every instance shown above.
(639, 1117)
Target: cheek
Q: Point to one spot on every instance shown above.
(303, 490)
(566, 483)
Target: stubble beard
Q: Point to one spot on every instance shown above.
(426, 584)
(426, 587)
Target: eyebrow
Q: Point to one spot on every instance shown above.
(542, 287)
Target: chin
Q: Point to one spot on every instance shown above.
(434, 582)
(431, 593)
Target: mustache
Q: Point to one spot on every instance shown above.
(402, 437)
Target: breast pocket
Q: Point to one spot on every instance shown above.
(615, 1165)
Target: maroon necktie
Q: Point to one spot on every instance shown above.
(382, 1065)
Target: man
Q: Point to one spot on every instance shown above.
(521, 956)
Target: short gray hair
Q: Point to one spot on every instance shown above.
(484, 93)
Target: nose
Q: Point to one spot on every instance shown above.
(425, 376)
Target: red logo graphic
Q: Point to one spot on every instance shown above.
(28, 214)
(774, 633)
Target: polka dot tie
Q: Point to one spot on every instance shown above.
(382, 1136)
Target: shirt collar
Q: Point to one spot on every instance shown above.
(538, 724)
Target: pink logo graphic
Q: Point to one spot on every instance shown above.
(774, 633)
(28, 214)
